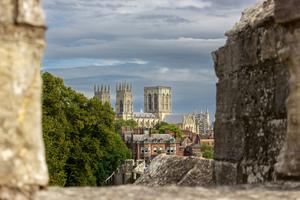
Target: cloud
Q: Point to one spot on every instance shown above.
(155, 42)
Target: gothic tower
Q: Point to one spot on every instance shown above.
(158, 100)
(103, 93)
(124, 101)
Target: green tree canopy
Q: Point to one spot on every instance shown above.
(162, 127)
(120, 123)
(82, 147)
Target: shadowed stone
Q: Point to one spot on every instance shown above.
(251, 116)
(287, 13)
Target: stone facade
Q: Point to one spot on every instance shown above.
(124, 101)
(158, 100)
(147, 146)
(190, 123)
(102, 93)
(203, 121)
(22, 161)
(251, 117)
(146, 120)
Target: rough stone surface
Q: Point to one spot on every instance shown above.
(22, 160)
(176, 170)
(251, 116)
(287, 10)
(271, 192)
(289, 159)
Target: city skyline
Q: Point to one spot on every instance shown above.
(113, 92)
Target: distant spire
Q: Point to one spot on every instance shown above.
(98, 88)
(95, 89)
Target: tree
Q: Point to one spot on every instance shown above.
(162, 127)
(207, 151)
(121, 123)
(82, 147)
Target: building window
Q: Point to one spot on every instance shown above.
(128, 106)
(155, 150)
(155, 101)
(163, 102)
(121, 106)
(167, 102)
(150, 101)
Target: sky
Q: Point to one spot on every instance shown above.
(143, 42)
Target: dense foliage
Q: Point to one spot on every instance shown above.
(121, 123)
(162, 127)
(82, 147)
(207, 151)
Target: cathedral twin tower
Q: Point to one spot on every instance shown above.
(157, 100)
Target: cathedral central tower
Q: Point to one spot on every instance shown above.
(158, 100)
(124, 101)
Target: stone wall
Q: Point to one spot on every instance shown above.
(22, 163)
(251, 116)
(287, 14)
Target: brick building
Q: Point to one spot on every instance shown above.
(147, 146)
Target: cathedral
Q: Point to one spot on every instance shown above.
(157, 103)
(157, 108)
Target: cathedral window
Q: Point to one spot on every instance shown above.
(155, 101)
(163, 101)
(121, 106)
(167, 102)
(150, 101)
(128, 106)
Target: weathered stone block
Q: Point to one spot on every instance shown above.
(287, 10)
(30, 12)
(229, 141)
(22, 161)
(225, 173)
(7, 13)
(249, 98)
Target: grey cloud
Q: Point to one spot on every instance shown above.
(175, 37)
(232, 3)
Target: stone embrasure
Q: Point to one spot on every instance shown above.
(289, 191)
(176, 170)
(287, 13)
(251, 116)
(22, 162)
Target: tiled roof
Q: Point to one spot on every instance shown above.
(174, 119)
(143, 115)
(153, 138)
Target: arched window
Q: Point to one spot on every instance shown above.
(167, 102)
(128, 106)
(163, 102)
(150, 101)
(121, 106)
(155, 102)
